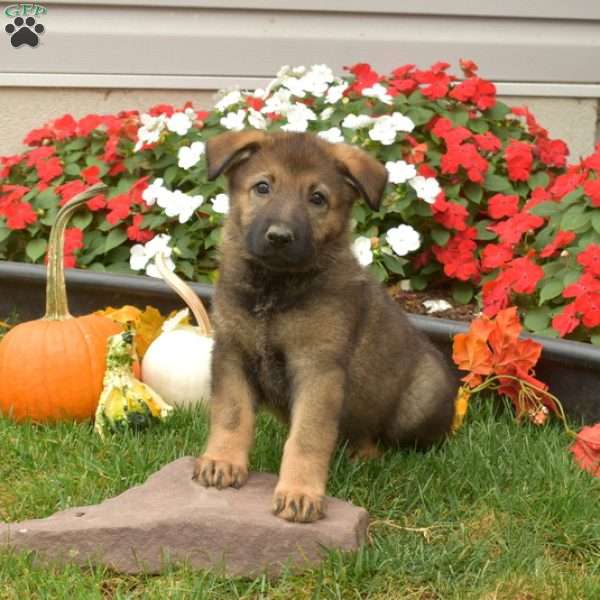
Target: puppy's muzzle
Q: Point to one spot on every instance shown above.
(279, 235)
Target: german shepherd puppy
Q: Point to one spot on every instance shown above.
(302, 328)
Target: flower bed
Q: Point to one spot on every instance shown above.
(479, 198)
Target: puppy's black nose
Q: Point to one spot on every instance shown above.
(279, 235)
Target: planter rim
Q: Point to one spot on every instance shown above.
(565, 351)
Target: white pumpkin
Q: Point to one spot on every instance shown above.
(177, 362)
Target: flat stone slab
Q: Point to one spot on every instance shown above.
(172, 519)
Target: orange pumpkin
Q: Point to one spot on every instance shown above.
(51, 369)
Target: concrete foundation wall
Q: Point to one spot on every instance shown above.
(22, 109)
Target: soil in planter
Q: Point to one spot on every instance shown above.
(412, 302)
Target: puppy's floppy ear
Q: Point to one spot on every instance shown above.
(227, 149)
(364, 172)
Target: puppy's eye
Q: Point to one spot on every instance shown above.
(318, 199)
(262, 188)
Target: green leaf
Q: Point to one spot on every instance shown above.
(46, 199)
(418, 283)
(551, 289)
(546, 209)
(4, 232)
(420, 116)
(596, 220)
(473, 191)
(573, 196)
(462, 292)
(36, 248)
(571, 276)
(595, 339)
(186, 268)
(76, 144)
(575, 218)
(114, 238)
(394, 264)
(82, 219)
(497, 183)
(483, 233)
(537, 319)
(539, 179)
(170, 175)
(73, 169)
(497, 112)
(440, 236)
(378, 272)
(478, 126)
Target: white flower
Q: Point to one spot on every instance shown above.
(279, 102)
(317, 80)
(387, 126)
(326, 114)
(220, 203)
(335, 93)
(296, 86)
(403, 239)
(427, 188)
(357, 121)
(361, 247)
(228, 100)
(379, 92)
(256, 119)
(151, 194)
(333, 135)
(298, 117)
(234, 120)
(400, 171)
(188, 156)
(179, 122)
(150, 131)
(142, 255)
(178, 204)
(434, 306)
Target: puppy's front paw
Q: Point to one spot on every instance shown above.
(219, 473)
(297, 504)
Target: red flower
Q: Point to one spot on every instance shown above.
(500, 206)
(438, 81)
(564, 184)
(586, 449)
(589, 259)
(87, 124)
(90, 174)
(538, 196)
(365, 77)
(566, 321)
(494, 256)
(255, 103)
(524, 275)
(36, 136)
(487, 142)
(97, 203)
(66, 191)
(450, 214)
(7, 163)
(117, 168)
(586, 283)
(73, 240)
(443, 128)
(12, 195)
(468, 67)
(478, 91)
(136, 234)
(19, 215)
(137, 189)
(562, 239)
(519, 159)
(458, 256)
(553, 153)
(592, 189)
(495, 295)
(110, 148)
(119, 207)
(464, 155)
(158, 109)
(512, 229)
(50, 169)
(593, 160)
(39, 154)
(64, 127)
(588, 305)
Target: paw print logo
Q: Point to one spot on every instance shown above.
(24, 31)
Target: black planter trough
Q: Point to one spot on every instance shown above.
(571, 369)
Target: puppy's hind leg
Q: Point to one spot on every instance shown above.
(426, 407)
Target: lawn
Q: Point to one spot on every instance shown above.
(499, 511)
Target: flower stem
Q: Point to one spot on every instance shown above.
(186, 293)
(57, 307)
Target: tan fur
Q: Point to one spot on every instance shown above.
(306, 331)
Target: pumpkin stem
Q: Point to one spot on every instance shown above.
(186, 293)
(57, 307)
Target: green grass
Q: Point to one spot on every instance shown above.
(499, 511)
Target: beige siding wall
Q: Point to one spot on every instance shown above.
(107, 55)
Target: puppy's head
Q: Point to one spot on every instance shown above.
(291, 193)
